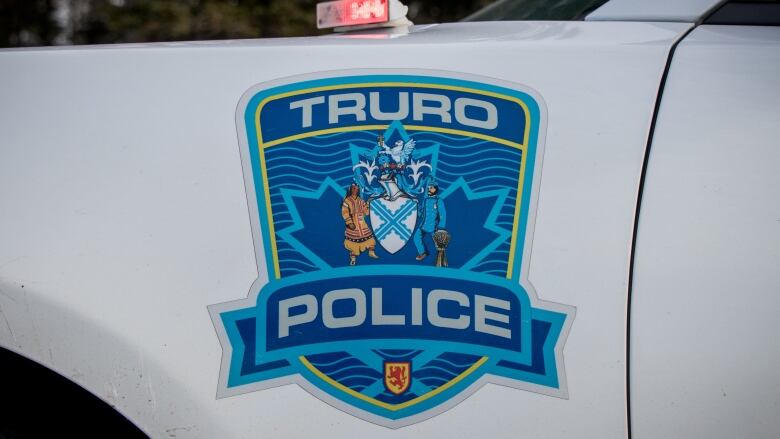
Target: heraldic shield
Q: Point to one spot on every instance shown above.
(393, 221)
(352, 180)
(398, 376)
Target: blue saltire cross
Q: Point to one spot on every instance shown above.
(394, 222)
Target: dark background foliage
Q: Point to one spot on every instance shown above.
(48, 22)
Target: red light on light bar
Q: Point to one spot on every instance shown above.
(352, 13)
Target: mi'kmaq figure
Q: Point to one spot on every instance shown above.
(358, 237)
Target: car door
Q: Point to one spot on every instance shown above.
(705, 284)
(125, 216)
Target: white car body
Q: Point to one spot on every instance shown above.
(123, 216)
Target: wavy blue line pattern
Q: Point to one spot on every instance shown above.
(345, 368)
(443, 368)
(397, 354)
(304, 164)
(353, 373)
(456, 159)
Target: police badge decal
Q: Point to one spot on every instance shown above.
(356, 183)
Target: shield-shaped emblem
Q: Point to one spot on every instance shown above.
(393, 221)
(302, 160)
(398, 376)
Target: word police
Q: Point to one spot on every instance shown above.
(304, 309)
(466, 111)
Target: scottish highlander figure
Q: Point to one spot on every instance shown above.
(434, 217)
(358, 237)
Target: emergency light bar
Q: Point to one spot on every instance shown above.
(360, 14)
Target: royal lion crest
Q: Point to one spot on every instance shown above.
(398, 376)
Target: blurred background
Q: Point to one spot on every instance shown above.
(56, 22)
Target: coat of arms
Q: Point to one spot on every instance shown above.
(398, 376)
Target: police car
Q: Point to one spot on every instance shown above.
(493, 228)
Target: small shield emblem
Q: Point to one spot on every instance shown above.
(393, 221)
(398, 376)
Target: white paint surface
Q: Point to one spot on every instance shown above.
(686, 11)
(704, 348)
(124, 216)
